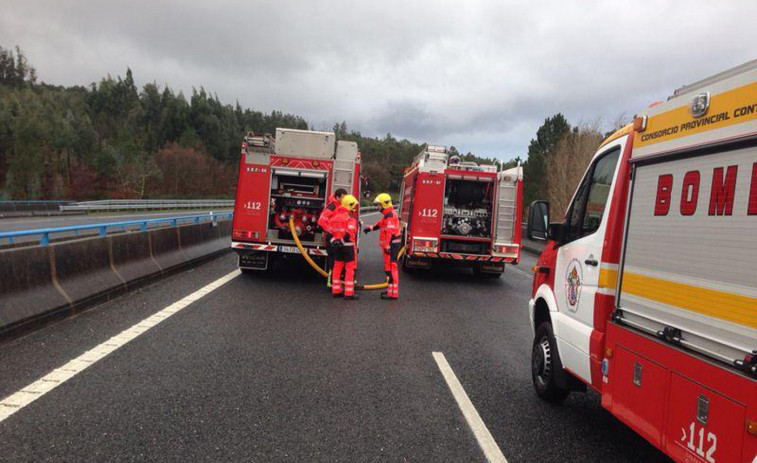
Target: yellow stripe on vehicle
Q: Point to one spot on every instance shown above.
(608, 278)
(734, 308)
(728, 108)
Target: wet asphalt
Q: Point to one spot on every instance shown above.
(270, 368)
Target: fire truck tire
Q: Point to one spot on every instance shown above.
(546, 366)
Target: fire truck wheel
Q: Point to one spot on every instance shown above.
(544, 364)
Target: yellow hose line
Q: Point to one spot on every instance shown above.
(304, 252)
(323, 272)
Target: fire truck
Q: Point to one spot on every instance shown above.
(460, 213)
(288, 177)
(647, 290)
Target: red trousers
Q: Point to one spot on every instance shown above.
(390, 268)
(344, 260)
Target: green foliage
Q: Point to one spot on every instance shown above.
(534, 169)
(113, 140)
(104, 140)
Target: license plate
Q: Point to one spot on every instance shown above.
(289, 249)
(254, 260)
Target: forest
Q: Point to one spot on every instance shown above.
(113, 140)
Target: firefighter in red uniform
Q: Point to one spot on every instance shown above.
(390, 240)
(344, 229)
(333, 203)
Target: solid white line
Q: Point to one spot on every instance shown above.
(483, 436)
(35, 390)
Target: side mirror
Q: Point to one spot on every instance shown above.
(538, 221)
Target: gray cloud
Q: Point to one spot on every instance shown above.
(479, 75)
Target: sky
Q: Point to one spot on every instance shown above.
(479, 75)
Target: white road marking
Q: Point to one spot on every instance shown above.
(483, 436)
(35, 390)
(521, 272)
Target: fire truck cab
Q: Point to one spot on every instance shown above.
(289, 177)
(647, 291)
(460, 213)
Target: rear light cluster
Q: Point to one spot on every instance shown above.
(245, 234)
(506, 249)
(425, 244)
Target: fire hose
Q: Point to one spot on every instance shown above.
(324, 273)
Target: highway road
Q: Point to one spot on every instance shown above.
(213, 365)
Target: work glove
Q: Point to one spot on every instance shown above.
(337, 243)
(367, 230)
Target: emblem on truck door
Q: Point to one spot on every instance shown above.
(573, 283)
(700, 105)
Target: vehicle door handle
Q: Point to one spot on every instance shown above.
(592, 262)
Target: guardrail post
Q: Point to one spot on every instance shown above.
(173, 222)
(143, 226)
(45, 241)
(103, 231)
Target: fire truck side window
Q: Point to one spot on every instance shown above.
(590, 201)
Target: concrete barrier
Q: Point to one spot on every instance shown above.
(27, 284)
(39, 282)
(132, 257)
(165, 247)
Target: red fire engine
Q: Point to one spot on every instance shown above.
(288, 177)
(647, 291)
(460, 213)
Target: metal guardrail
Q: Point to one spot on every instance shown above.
(31, 207)
(103, 228)
(375, 208)
(145, 204)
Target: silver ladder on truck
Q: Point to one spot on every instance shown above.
(344, 167)
(507, 194)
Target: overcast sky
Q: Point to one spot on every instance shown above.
(480, 75)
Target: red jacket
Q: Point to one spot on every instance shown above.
(327, 213)
(343, 226)
(389, 226)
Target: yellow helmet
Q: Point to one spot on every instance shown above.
(384, 200)
(349, 202)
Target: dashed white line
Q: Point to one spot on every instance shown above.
(35, 390)
(483, 436)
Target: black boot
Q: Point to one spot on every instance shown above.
(352, 297)
(385, 295)
(337, 294)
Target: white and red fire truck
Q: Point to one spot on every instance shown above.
(460, 213)
(647, 290)
(288, 177)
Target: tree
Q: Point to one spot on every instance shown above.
(547, 136)
(15, 70)
(566, 164)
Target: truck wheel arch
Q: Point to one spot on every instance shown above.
(544, 304)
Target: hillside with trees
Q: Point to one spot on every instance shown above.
(114, 140)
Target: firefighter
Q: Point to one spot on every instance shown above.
(390, 240)
(344, 229)
(333, 203)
